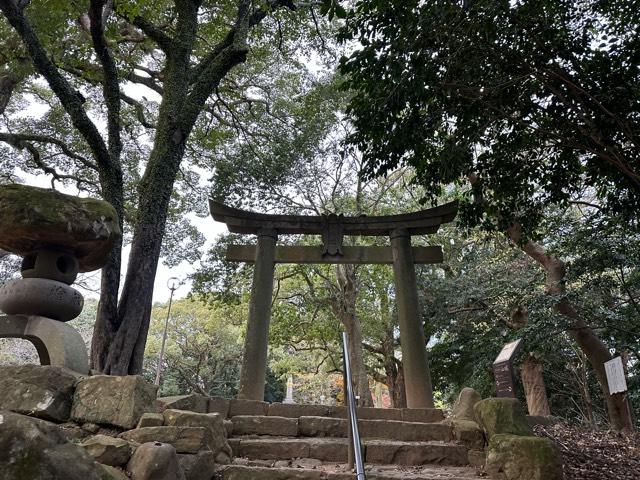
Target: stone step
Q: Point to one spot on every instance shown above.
(424, 415)
(335, 450)
(338, 427)
(340, 472)
(229, 408)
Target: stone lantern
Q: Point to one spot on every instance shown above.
(58, 236)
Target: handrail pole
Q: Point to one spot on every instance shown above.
(351, 406)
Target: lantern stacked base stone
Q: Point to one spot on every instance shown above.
(58, 236)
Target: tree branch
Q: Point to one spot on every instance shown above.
(37, 159)
(71, 99)
(111, 86)
(139, 110)
(154, 33)
(17, 140)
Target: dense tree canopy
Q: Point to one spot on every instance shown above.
(134, 99)
(537, 100)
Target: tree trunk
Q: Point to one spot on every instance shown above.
(594, 349)
(534, 387)
(345, 309)
(126, 351)
(107, 323)
(395, 383)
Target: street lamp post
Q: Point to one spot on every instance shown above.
(172, 284)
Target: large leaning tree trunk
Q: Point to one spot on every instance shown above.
(531, 371)
(344, 307)
(594, 349)
(187, 82)
(535, 390)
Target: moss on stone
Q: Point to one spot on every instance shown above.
(32, 218)
(512, 457)
(502, 415)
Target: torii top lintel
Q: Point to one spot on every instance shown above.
(415, 223)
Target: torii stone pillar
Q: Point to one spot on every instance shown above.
(333, 228)
(417, 377)
(254, 362)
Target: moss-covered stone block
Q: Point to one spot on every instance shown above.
(112, 400)
(33, 449)
(502, 415)
(32, 218)
(515, 457)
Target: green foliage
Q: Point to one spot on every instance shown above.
(536, 100)
(203, 347)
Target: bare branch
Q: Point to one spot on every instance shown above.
(17, 140)
(71, 99)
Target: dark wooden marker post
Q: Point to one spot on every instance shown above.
(503, 369)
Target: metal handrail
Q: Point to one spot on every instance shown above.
(351, 406)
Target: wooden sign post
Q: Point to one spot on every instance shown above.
(503, 369)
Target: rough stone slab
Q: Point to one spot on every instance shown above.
(25, 439)
(113, 400)
(183, 439)
(338, 411)
(467, 433)
(212, 421)
(477, 458)
(422, 415)
(534, 420)
(234, 443)
(293, 410)
(31, 217)
(40, 391)
(228, 427)
(322, 427)
(273, 449)
(155, 461)
(463, 408)
(265, 425)
(387, 429)
(514, 457)
(108, 450)
(239, 406)
(240, 472)
(329, 451)
(335, 450)
(370, 413)
(193, 403)
(218, 405)
(111, 473)
(415, 453)
(150, 420)
(199, 466)
(374, 472)
(405, 431)
(502, 415)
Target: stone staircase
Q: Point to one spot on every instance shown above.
(280, 441)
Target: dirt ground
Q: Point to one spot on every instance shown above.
(590, 455)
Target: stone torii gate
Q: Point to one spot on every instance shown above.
(332, 228)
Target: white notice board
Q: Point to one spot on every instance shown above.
(615, 376)
(508, 351)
